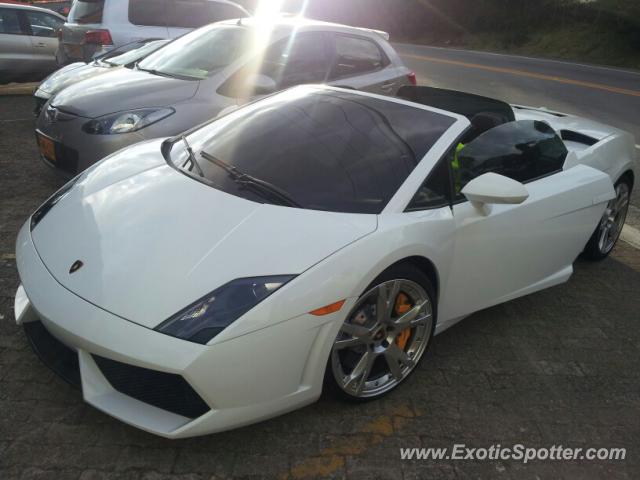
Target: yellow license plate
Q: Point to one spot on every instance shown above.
(47, 148)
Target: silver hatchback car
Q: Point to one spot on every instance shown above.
(211, 70)
(28, 40)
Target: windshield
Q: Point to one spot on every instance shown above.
(135, 55)
(321, 149)
(199, 54)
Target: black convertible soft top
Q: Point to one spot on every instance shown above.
(462, 103)
(483, 112)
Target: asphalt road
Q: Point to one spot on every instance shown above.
(608, 95)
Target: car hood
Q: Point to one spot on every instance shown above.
(76, 72)
(122, 89)
(153, 240)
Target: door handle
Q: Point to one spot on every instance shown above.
(41, 44)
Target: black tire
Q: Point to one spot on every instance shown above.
(592, 250)
(399, 271)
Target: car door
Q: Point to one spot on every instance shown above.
(43, 29)
(503, 251)
(358, 62)
(15, 46)
(296, 60)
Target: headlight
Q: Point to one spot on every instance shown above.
(207, 317)
(125, 122)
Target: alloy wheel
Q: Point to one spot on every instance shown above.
(383, 338)
(613, 219)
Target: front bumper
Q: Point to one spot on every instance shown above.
(79, 150)
(243, 380)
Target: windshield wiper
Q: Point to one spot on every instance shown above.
(246, 180)
(153, 71)
(191, 157)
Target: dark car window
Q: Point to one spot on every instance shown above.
(355, 55)
(197, 13)
(296, 60)
(9, 22)
(435, 192)
(328, 150)
(86, 11)
(42, 24)
(148, 12)
(524, 150)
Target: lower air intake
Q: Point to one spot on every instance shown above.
(167, 391)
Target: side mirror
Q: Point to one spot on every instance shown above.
(260, 84)
(494, 188)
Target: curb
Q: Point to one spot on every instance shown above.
(18, 88)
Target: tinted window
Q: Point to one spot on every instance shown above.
(42, 24)
(148, 12)
(297, 60)
(197, 13)
(200, 53)
(435, 192)
(9, 22)
(86, 11)
(523, 151)
(356, 55)
(333, 151)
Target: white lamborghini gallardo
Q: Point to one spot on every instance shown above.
(317, 237)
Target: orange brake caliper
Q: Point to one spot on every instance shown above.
(402, 306)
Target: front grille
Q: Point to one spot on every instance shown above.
(53, 353)
(163, 390)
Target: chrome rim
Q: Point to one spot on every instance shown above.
(382, 339)
(613, 219)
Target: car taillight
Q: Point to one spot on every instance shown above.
(98, 37)
(412, 78)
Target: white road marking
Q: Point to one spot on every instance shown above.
(631, 236)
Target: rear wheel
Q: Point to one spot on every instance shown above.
(384, 336)
(609, 229)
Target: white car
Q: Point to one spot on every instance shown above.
(96, 26)
(319, 236)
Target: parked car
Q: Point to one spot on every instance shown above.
(195, 77)
(316, 239)
(28, 40)
(125, 56)
(96, 26)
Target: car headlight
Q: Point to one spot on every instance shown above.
(125, 122)
(207, 317)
